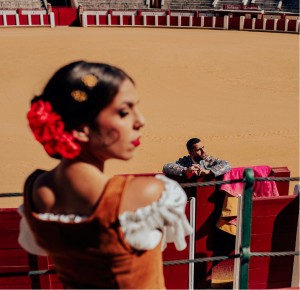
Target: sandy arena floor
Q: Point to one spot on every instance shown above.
(238, 91)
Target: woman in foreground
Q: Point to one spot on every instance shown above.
(100, 232)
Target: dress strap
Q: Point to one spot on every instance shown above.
(108, 209)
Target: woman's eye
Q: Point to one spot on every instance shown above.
(123, 113)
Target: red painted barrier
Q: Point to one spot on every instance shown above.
(26, 18)
(92, 19)
(173, 21)
(281, 24)
(23, 19)
(115, 20)
(208, 22)
(103, 20)
(274, 225)
(181, 279)
(273, 218)
(65, 16)
(282, 186)
(292, 25)
(127, 20)
(270, 24)
(259, 24)
(185, 21)
(234, 23)
(11, 20)
(150, 20)
(209, 202)
(196, 21)
(248, 23)
(162, 20)
(35, 20)
(219, 22)
(12, 257)
(138, 19)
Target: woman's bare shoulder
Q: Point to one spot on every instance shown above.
(141, 191)
(73, 189)
(40, 191)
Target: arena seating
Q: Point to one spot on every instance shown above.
(21, 4)
(187, 4)
(220, 3)
(116, 4)
(267, 5)
(290, 6)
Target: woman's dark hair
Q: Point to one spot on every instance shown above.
(80, 90)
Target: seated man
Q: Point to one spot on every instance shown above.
(197, 162)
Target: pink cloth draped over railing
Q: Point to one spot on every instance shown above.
(228, 219)
(260, 188)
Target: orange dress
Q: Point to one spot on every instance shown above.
(93, 253)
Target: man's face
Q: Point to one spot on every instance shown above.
(198, 152)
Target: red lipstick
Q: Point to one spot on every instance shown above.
(136, 142)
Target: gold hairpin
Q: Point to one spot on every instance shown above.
(89, 80)
(79, 96)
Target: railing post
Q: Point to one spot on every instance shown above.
(84, 19)
(52, 19)
(109, 17)
(242, 22)
(237, 262)
(192, 242)
(226, 22)
(202, 21)
(214, 22)
(246, 228)
(191, 21)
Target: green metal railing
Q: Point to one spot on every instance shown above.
(246, 228)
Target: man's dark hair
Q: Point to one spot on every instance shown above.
(191, 142)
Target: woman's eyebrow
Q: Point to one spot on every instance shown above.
(130, 103)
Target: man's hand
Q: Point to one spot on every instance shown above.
(205, 171)
(197, 170)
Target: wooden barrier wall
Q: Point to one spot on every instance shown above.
(274, 224)
(10, 18)
(269, 214)
(273, 219)
(65, 16)
(185, 19)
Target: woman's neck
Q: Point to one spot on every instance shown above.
(85, 159)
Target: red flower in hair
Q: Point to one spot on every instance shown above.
(48, 128)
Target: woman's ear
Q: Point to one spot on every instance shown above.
(82, 134)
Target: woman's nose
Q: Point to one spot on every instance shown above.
(139, 121)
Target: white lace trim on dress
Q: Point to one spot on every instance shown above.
(164, 218)
(26, 238)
